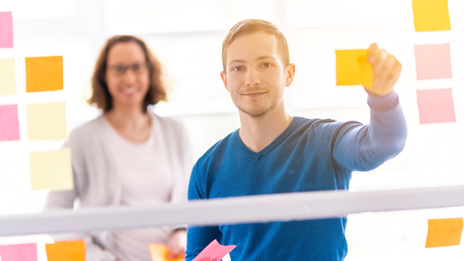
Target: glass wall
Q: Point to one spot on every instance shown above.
(187, 37)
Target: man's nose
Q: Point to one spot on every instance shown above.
(252, 78)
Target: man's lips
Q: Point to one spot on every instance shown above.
(255, 94)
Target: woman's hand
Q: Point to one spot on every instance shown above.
(177, 243)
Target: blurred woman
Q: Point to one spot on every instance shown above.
(128, 156)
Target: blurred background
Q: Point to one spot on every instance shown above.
(187, 37)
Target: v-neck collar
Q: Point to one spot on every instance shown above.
(258, 155)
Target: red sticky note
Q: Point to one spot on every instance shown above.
(66, 250)
(433, 61)
(436, 106)
(9, 122)
(6, 30)
(214, 251)
(22, 252)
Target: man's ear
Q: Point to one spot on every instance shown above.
(289, 74)
(224, 80)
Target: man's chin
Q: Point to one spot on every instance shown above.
(254, 113)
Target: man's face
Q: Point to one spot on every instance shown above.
(255, 75)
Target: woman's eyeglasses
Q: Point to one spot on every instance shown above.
(137, 68)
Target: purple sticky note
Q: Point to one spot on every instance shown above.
(9, 123)
(433, 61)
(436, 106)
(214, 251)
(6, 30)
(22, 252)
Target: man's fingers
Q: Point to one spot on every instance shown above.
(394, 75)
(371, 52)
(383, 70)
(380, 59)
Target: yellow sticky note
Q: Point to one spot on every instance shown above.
(159, 252)
(431, 15)
(7, 76)
(353, 68)
(44, 74)
(51, 170)
(66, 250)
(46, 121)
(444, 232)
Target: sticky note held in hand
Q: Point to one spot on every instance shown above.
(44, 74)
(159, 252)
(51, 170)
(214, 251)
(352, 68)
(444, 232)
(66, 250)
(431, 15)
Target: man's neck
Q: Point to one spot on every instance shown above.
(258, 132)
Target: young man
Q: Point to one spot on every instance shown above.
(274, 152)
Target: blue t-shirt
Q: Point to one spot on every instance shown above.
(310, 155)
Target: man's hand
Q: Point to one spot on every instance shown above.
(386, 70)
(177, 243)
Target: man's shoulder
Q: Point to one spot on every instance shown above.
(204, 164)
(218, 149)
(315, 124)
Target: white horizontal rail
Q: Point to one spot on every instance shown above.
(252, 209)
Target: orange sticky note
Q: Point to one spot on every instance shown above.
(159, 252)
(66, 250)
(352, 68)
(44, 74)
(431, 15)
(444, 232)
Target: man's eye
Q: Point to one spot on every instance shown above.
(238, 68)
(266, 65)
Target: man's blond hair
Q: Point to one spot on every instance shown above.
(249, 26)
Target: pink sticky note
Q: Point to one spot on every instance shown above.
(436, 106)
(214, 251)
(9, 123)
(433, 61)
(6, 30)
(22, 252)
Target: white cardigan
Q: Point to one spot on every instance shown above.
(97, 184)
